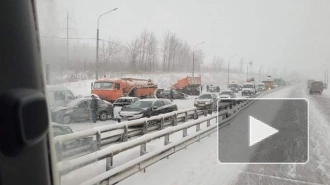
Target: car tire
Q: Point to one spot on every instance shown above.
(66, 119)
(103, 116)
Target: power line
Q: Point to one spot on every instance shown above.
(76, 38)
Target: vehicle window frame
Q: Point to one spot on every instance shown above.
(82, 102)
(154, 103)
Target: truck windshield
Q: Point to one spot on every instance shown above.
(233, 85)
(103, 85)
(248, 86)
(226, 92)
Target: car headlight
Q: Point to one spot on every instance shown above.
(137, 116)
(207, 102)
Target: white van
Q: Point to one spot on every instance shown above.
(58, 95)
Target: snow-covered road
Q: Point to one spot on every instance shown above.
(198, 163)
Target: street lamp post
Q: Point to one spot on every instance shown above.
(260, 72)
(247, 70)
(327, 74)
(194, 58)
(228, 65)
(97, 43)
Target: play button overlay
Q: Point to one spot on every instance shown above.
(259, 131)
(268, 131)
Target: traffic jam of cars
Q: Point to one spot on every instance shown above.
(141, 98)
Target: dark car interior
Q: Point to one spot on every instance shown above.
(22, 96)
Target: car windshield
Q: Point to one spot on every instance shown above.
(103, 85)
(123, 100)
(226, 92)
(233, 85)
(261, 85)
(205, 96)
(141, 104)
(247, 86)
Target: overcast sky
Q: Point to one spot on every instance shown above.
(291, 34)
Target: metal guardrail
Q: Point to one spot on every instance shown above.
(121, 132)
(114, 175)
(226, 113)
(109, 152)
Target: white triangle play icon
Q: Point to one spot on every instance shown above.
(259, 131)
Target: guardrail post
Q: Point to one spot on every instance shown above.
(124, 135)
(98, 140)
(186, 116)
(167, 139)
(162, 123)
(195, 114)
(205, 112)
(58, 149)
(185, 132)
(109, 162)
(175, 119)
(145, 128)
(143, 149)
(208, 123)
(198, 127)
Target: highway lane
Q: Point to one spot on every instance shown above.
(316, 171)
(288, 145)
(198, 163)
(195, 165)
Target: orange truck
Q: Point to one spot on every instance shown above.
(112, 89)
(268, 83)
(189, 85)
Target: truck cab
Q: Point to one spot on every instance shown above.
(109, 90)
(248, 89)
(316, 87)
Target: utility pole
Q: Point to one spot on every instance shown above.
(260, 72)
(67, 38)
(241, 65)
(247, 72)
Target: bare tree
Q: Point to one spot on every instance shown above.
(165, 49)
(152, 51)
(109, 50)
(133, 50)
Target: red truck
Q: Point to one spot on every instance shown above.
(189, 85)
(112, 89)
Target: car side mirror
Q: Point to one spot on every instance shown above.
(154, 108)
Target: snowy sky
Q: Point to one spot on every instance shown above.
(291, 34)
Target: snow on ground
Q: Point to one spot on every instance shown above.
(195, 165)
